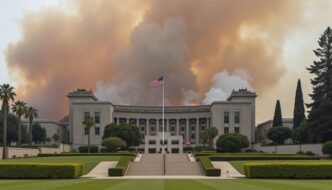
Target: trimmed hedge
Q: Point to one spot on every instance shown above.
(121, 168)
(84, 149)
(288, 170)
(208, 167)
(86, 154)
(242, 154)
(15, 170)
(259, 157)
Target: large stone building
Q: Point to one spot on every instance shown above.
(236, 115)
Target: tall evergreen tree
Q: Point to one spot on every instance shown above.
(299, 106)
(320, 118)
(277, 118)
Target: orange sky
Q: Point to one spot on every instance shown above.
(205, 49)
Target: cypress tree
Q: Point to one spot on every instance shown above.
(320, 117)
(277, 118)
(299, 106)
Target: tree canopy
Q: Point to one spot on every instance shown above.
(130, 134)
(277, 118)
(299, 112)
(279, 134)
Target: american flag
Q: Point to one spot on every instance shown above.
(158, 82)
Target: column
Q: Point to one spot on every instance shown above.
(147, 126)
(187, 130)
(197, 132)
(177, 126)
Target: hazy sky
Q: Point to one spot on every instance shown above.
(206, 48)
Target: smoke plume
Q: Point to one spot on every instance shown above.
(118, 47)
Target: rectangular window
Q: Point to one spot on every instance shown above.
(86, 114)
(237, 129)
(192, 136)
(152, 142)
(97, 117)
(97, 130)
(86, 131)
(182, 128)
(172, 129)
(226, 117)
(152, 128)
(237, 117)
(193, 128)
(226, 130)
(142, 129)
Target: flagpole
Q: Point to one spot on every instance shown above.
(163, 110)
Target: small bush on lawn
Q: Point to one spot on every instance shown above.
(188, 149)
(208, 167)
(288, 170)
(14, 170)
(121, 168)
(232, 142)
(84, 149)
(113, 144)
(327, 148)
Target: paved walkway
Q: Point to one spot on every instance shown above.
(178, 166)
(101, 170)
(227, 170)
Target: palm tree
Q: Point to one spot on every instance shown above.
(213, 132)
(205, 137)
(6, 94)
(31, 114)
(19, 108)
(88, 122)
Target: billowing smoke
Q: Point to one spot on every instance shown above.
(223, 83)
(118, 47)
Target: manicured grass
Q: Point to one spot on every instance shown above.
(239, 164)
(89, 162)
(239, 184)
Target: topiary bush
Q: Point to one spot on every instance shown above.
(113, 144)
(288, 170)
(15, 170)
(279, 134)
(327, 148)
(121, 168)
(84, 149)
(208, 167)
(232, 142)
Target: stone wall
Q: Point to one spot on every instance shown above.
(31, 152)
(315, 148)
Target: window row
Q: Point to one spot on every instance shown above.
(236, 117)
(236, 130)
(97, 131)
(96, 116)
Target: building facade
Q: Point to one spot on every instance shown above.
(263, 128)
(236, 115)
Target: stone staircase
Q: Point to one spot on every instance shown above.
(158, 164)
(179, 164)
(150, 164)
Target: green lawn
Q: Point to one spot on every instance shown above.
(118, 184)
(239, 164)
(89, 162)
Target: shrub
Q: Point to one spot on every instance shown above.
(86, 154)
(288, 170)
(309, 153)
(279, 134)
(130, 134)
(121, 168)
(327, 148)
(208, 167)
(113, 144)
(232, 142)
(258, 157)
(84, 149)
(188, 149)
(14, 170)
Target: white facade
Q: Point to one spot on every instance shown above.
(236, 115)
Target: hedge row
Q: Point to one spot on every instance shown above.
(87, 154)
(14, 170)
(210, 153)
(288, 170)
(258, 157)
(84, 149)
(121, 168)
(208, 167)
